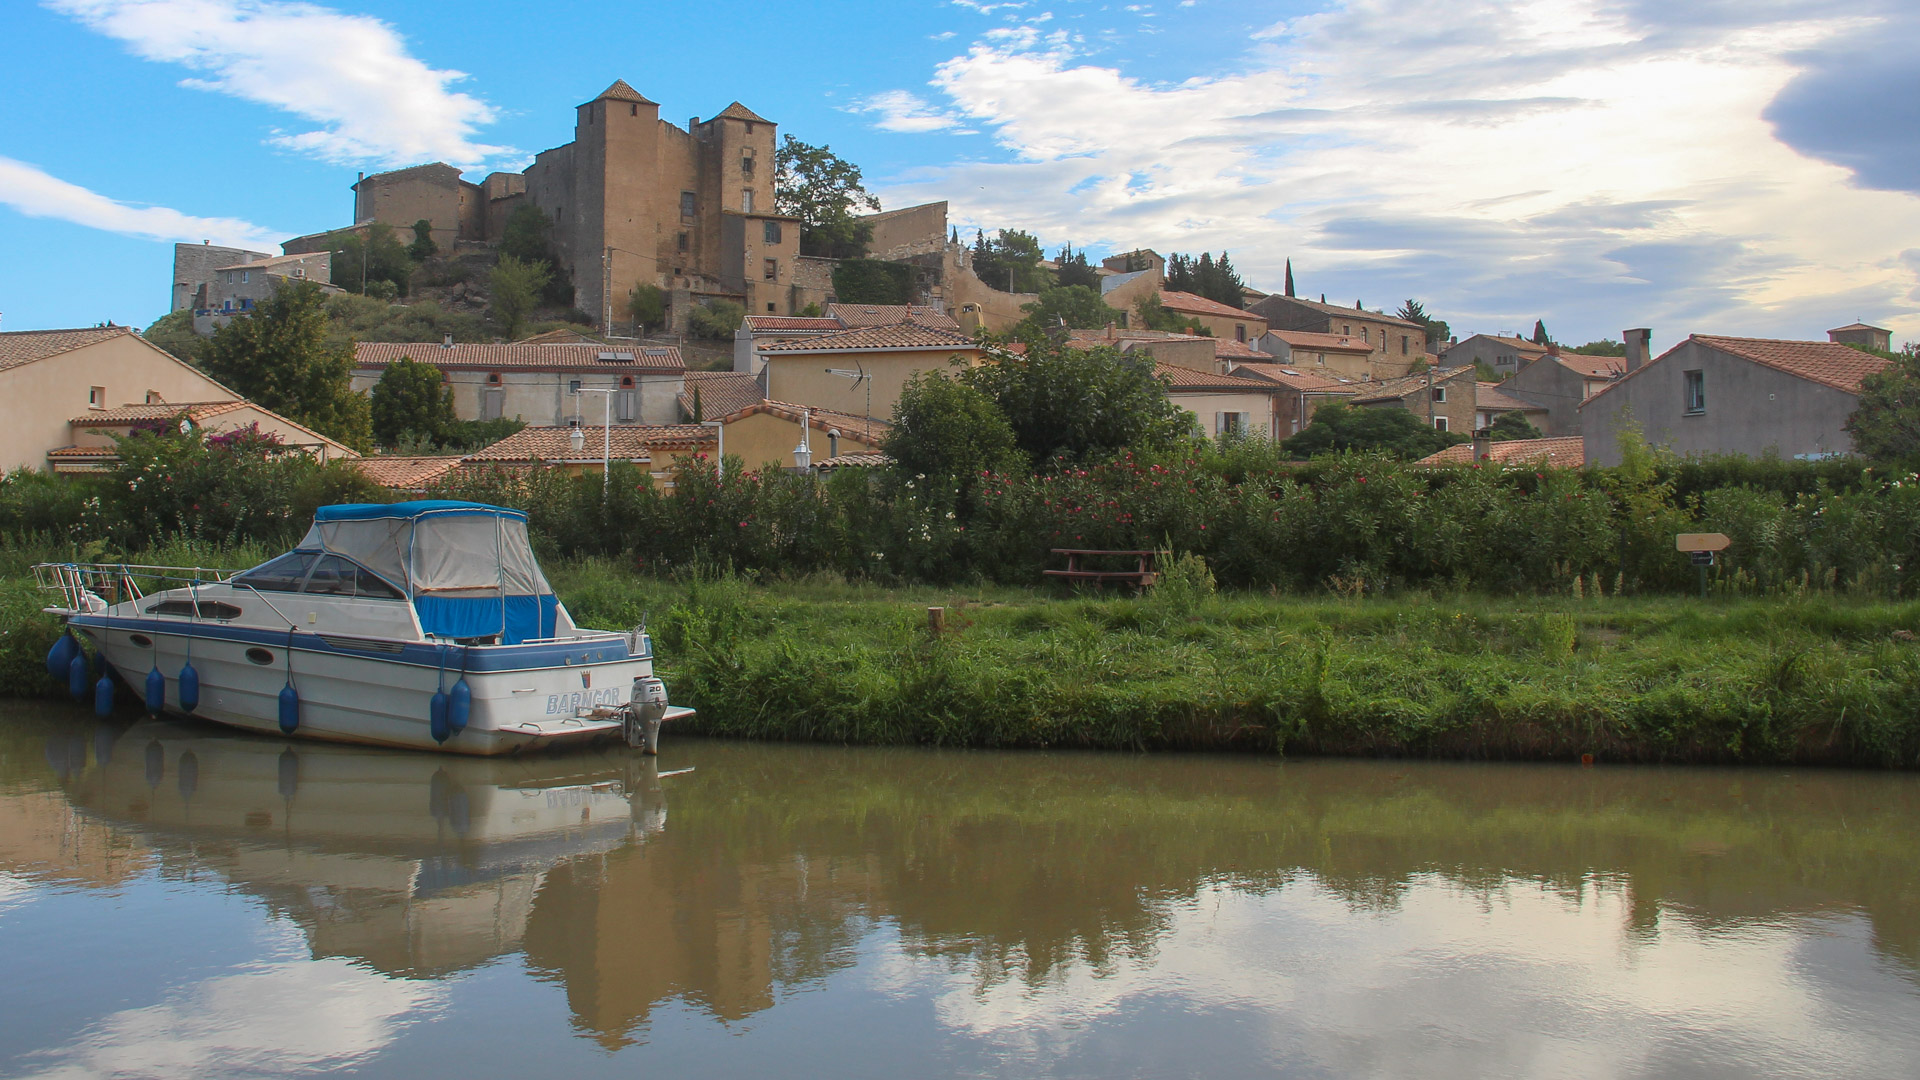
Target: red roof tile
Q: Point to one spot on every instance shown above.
(854, 316)
(133, 414)
(25, 346)
(901, 336)
(1190, 304)
(648, 359)
(404, 472)
(630, 442)
(1188, 379)
(1295, 379)
(721, 392)
(1229, 349)
(1301, 339)
(763, 323)
(1593, 367)
(1489, 396)
(1410, 384)
(1825, 362)
(1560, 453)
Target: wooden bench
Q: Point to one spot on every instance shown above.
(1142, 575)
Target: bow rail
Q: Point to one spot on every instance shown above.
(92, 587)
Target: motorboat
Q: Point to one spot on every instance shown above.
(426, 624)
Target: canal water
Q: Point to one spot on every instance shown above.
(177, 901)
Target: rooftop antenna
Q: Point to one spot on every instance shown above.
(860, 375)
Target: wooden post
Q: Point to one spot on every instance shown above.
(936, 620)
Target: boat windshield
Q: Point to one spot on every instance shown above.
(313, 572)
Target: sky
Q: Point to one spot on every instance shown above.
(1746, 167)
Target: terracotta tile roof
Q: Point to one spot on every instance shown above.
(1180, 378)
(1336, 309)
(1859, 326)
(133, 414)
(817, 419)
(1519, 343)
(647, 359)
(1301, 339)
(1824, 362)
(762, 323)
(1408, 384)
(855, 316)
(1489, 396)
(75, 460)
(721, 392)
(620, 91)
(560, 335)
(630, 442)
(25, 346)
(1190, 304)
(861, 461)
(1560, 453)
(1229, 349)
(903, 336)
(407, 473)
(1295, 379)
(1593, 367)
(737, 111)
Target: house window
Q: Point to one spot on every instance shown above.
(1440, 394)
(1239, 332)
(633, 108)
(770, 232)
(573, 386)
(746, 200)
(769, 308)
(153, 397)
(1363, 335)
(246, 276)
(1696, 391)
(770, 269)
(1439, 423)
(493, 379)
(1231, 423)
(686, 204)
(1403, 345)
(683, 245)
(299, 273)
(1347, 329)
(96, 397)
(746, 163)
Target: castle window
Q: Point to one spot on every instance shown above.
(686, 204)
(493, 379)
(683, 245)
(749, 127)
(746, 163)
(746, 200)
(1403, 344)
(770, 232)
(633, 110)
(770, 269)
(770, 308)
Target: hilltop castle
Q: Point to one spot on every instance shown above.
(634, 200)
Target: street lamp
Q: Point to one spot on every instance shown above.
(803, 453)
(606, 442)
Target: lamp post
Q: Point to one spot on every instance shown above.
(803, 453)
(720, 448)
(606, 442)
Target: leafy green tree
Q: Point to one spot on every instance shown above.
(516, 286)
(648, 306)
(528, 237)
(1077, 306)
(364, 258)
(468, 435)
(423, 247)
(1603, 347)
(1153, 315)
(870, 281)
(1437, 329)
(1514, 425)
(1483, 373)
(718, 319)
(411, 398)
(1072, 268)
(1886, 424)
(824, 191)
(174, 333)
(1081, 404)
(811, 311)
(1339, 427)
(1010, 260)
(280, 357)
(362, 318)
(1215, 279)
(945, 428)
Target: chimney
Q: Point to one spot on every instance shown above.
(1636, 347)
(1483, 444)
(1553, 348)
(446, 341)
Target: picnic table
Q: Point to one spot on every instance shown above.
(1141, 575)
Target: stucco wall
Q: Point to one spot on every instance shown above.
(1751, 409)
(1503, 358)
(42, 396)
(803, 380)
(1388, 358)
(763, 439)
(1205, 406)
(541, 397)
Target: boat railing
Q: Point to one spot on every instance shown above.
(84, 587)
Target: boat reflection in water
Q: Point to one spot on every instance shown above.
(414, 864)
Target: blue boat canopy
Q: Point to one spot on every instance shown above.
(468, 567)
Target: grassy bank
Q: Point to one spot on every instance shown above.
(1819, 678)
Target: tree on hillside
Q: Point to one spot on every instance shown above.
(423, 247)
(1415, 312)
(1886, 425)
(1289, 277)
(1075, 306)
(824, 191)
(1010, 260)
(716, 320)
(364, 259)
(1081, 404)
(1338, 427)
(1071, 267)
(1216, 280)
(1603, 347)
(1540, 332)
(411, 399)
(870, 281)
(280, 357)
(1151, 314)
(528, 237)
(517, 286)
(174, 333)
(946, 428)
(1514, 425)
(648, 306)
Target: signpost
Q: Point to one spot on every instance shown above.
(1702, 546)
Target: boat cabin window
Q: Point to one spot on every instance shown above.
(335, 576)
(283, 574)
(209, 609)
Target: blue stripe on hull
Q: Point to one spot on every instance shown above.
(475, 658)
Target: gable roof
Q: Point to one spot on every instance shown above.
(1520, 343)
(1306, 339)
(620, 91)
(817, 419)
(1860, 326)
(1409, 384)
(737, 111)
(1180, 378)
(721, 393)
(1828, 363)
(1294, 379)
(1230, 349)
(855, 316)
(1561, 453)
(25, 346)
(1489, 396)
(406, 472)
(629, 442)
(195, 411)
(1336, 309)
(763, 323)
(1593, 367)
(905, 336)
(522, 356)
(1200, 305)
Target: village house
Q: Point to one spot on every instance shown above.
(1331, 355)
(1301, 392)
(757, 330)
(1195, 352)
(1444, 399)
(1394, 345)
(1222, 321)
(1859, 333)
(1491, 402)
(860, 372)
(541, 384)
(580, 449)
(91, 446)
(1558, 382)
(1503, 353)
(764, 435)
(1728, 395)
(1222, 404)
(66, 388)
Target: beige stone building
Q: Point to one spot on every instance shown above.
(1335, 356)
(1393, 344)
(90, 446)
(542, 383)
(1223, 321)
(1443, 398)
(763, 435)
(1222, 404)
(861, 372)
(59, 385)
(634, 199)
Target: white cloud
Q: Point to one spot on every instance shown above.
(34, 193)
(351, 75)
(904, 112)
(1594, 165)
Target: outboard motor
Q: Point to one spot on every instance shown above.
(641, 726)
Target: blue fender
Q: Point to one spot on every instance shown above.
(103, 696)
(437, 717)
(77, 676)
(189, 688)
(60, 657)
(459, 706)
(289, 709)
(156, 692)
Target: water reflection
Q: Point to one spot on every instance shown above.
(1041, 913)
